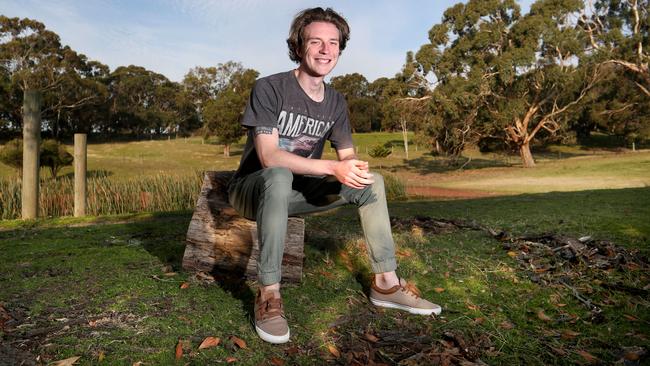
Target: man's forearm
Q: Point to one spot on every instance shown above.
(298, 164)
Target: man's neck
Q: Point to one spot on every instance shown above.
(312, 85)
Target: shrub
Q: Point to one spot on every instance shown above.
(54, 156)
(395, 188)
(12, 154)
(379, 151)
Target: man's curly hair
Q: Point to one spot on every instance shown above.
(307, 16)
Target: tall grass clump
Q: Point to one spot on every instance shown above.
(395, 188)
(9, 198)
(110, 196)
(107, 196)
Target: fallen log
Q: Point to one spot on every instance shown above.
(221, 242)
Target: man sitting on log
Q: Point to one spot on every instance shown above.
(289, 117)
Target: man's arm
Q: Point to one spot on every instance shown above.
(348, 170)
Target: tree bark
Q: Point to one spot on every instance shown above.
(526, 155)
(32, 100)
(405, 136)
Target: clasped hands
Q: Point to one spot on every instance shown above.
(353, 173)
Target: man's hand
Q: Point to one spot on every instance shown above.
(353, 173)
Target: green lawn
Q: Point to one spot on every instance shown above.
(100, 288)
(559, 168)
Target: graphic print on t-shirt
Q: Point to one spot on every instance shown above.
(300, 133)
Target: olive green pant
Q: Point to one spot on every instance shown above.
(270, 196)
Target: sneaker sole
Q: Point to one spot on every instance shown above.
(412, 310)
(272, 338)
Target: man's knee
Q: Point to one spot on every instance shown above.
(277, 175)
(278, 180)
(379, 181)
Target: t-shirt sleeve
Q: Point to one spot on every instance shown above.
(341, 136)
(260, 110)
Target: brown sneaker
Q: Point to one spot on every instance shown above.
(403, 297)
(270, 323)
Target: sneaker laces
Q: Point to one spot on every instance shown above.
(270, 308)
(410, 288)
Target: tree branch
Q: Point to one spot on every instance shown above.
(635, 11)
(614, 111)
(643, 89)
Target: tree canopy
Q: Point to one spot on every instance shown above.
(489, 75)
(221, 115)
(505, 75)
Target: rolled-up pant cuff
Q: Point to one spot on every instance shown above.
(269, 278)
(387, 265)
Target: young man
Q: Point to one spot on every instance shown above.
(289, 118)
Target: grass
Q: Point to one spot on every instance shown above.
(107, 196)
(107, 288)
(103, 291)
(559, 168)
(601, 171)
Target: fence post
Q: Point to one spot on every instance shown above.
(31, 159)
(80, 166)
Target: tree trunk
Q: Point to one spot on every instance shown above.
(526, 155)
(226, 150)
(31, 140)
(405, 137)
(55, 128)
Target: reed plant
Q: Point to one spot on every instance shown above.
(107, 196)
(110, 196)
(395, 187)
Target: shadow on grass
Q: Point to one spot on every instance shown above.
(163, 236)
(611, 143)
(427, 164)
(546, 153)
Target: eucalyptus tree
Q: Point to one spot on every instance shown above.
(362, 107)
(615, 107)
(10, 105)
(37, 62)
(619, 39)
(202, 84)
(73, 104)
(619, 33)
(405, 99)
(504, 74)
(143, 102)
(221, 116)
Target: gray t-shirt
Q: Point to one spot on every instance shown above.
(278, 101)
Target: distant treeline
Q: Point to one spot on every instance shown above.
(489, 76)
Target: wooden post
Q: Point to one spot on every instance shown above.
(31, 164)
(80, 168)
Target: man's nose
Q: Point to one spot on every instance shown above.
(324, 48)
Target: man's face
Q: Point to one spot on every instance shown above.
(321, 48)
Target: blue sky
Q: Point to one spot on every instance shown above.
(172, 36)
